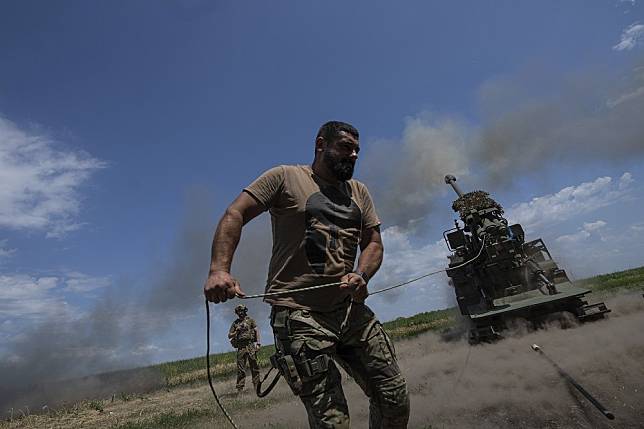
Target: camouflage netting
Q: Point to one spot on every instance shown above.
(476, 200)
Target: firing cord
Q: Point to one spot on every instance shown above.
(268, 294)
(326, 285)
(208, 367)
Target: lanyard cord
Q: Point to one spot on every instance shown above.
(208, 367)
(326, 285)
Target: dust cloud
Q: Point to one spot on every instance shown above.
(507, 384)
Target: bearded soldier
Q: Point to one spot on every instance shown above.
(244, 336)
(320, 218)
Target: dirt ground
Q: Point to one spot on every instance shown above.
(452, 385)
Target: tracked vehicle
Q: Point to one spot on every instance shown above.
(499, 277)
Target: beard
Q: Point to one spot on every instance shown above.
(342, 168)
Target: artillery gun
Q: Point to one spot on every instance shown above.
(498, 276)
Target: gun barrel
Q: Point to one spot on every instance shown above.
(451, 180)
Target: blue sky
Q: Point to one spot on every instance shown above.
(127, 127)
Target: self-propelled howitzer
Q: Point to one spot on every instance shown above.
(507, 277)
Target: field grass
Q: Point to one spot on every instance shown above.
(625, 280)
(191, 417)
(170, 420)
(221, 365)
(404, 327)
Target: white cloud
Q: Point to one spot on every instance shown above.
(638, 227)
(39, 183)
(594, 226)
(81, 283)
(632, 95)
(602, 250)
(569, 202)
(404, 261)
(147, 349)
(573, 238)
(586, 231)
(630, 37)
(4, 251)
(31, 298)
(26, 297)
(625, 181)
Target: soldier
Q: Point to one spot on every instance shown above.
(244, 336)
(320, 216)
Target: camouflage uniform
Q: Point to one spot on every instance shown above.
(243, 338)
(317, 341)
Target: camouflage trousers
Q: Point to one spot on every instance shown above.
(247, 356)
(357, 342)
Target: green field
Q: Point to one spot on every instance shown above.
(223, 364)
(623, 280)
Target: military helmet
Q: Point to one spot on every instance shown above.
(241, 308)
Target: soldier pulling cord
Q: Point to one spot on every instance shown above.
(274, 362)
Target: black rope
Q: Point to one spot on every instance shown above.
(208, 366)
(258, 388)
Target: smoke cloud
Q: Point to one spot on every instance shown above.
(405, 176)
(122, 329)
(586, 117)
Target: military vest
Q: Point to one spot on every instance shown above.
(244, 332)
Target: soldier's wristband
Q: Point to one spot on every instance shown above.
(364, 275)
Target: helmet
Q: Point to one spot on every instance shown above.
(241, 308)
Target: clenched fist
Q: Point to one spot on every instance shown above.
(356, 284)
(221, 286)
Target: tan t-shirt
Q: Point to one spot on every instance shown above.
(317, 228)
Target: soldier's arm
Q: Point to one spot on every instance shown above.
(371, 252)
(232, 331)
(220, 285)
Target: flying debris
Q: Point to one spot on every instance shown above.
(508, 278)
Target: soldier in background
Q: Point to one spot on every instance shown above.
(244, 336)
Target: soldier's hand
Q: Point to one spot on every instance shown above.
(221, 286)
(356, 285)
